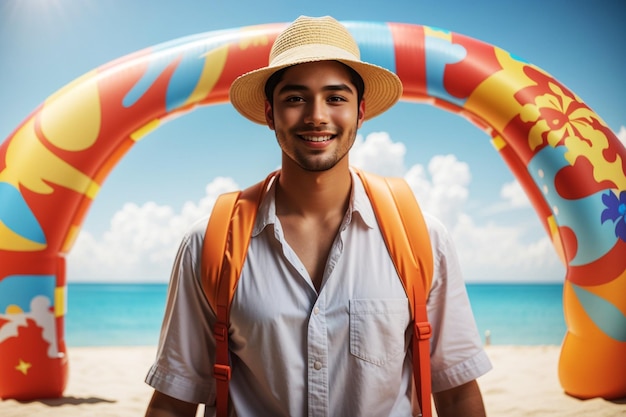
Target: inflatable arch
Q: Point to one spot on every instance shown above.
(566, 158)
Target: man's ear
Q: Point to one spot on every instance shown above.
(269, 115)
(361, 115)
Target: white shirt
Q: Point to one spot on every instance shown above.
(294, 352)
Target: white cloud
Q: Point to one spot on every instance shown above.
(514, 195)
(495, 252)
(445, 193)
(442, 190)
(379, 154)
(141, 242)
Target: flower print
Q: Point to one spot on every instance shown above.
(615, 211)
(557, 116)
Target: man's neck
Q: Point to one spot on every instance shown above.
(318, 194)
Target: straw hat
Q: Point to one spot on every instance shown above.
(310, 39)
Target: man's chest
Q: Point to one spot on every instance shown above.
(275, 284)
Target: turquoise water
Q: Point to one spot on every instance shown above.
(519, 314)
(114, 314)
(131, 314)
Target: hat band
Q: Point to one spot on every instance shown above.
(312, 52)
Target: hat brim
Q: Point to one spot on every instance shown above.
(383, 88)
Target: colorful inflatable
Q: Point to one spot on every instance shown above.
(569, 162)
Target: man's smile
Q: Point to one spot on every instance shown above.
(309, 138)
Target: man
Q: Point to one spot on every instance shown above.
(320, 322)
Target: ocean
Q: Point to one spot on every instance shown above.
(131, 314)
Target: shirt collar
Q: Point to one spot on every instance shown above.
(359, 203)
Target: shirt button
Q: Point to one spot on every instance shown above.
(316, 311)
(317, 365)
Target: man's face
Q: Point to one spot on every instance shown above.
(316, 114)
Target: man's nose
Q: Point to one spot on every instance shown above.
(317, 112)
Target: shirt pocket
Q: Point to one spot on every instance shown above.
(377, 328)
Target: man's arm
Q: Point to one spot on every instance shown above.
(162, 405)
(464, 400)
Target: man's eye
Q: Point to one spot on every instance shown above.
(336, 99)
(294, 99)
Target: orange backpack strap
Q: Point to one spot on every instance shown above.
(224, 251)
(406, 235)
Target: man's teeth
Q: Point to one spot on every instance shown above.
(316, 138)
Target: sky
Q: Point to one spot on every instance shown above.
(171, 177)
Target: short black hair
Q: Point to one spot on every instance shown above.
(276, 77)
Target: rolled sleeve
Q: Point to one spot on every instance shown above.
(457, 354)
(183, 367)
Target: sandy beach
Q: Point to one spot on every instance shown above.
(108, 381)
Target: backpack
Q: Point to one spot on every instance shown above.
(397, 211)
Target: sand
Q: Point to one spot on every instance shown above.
(108, 381)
